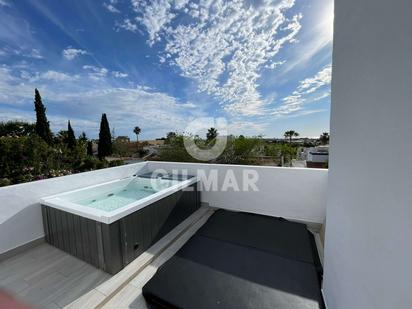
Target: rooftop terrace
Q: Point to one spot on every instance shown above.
(45, 276)
(364, 197)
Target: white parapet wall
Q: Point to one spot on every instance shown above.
(293, 193)
(20, 213)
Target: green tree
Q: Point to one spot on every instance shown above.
(170, 137)
(83, 137)
(16, 128)
(71, 139)
(42, 125)
(137, 131)
(324, 138)
(290, 134)
(61, 137)
(211, 134)
(90, 148)
(104, 147)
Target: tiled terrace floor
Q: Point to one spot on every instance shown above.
(47, 277)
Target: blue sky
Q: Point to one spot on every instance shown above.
(264, 66)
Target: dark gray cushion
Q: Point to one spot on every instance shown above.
(275, 235)
(209, 273)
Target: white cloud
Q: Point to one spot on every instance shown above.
(13, 90)
(118, 74)
(49, 75)
(70, 53)
(95, 73)
(110, 7)
(248, 128)
(57, 122)
(57, 76)
(306, 92)
(84, 102)
(154, 16)
(309, 85)
(4, 3)
(127, 24)
(188, 105)
(35, 53)
(222, 45)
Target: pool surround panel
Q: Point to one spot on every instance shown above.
(112, 246)
(59, 202)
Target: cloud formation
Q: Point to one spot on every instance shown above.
(84, 98)
(33, 53)
(306, 92)
(57, 76)
(222, 45)
(118, 74)
(110, 6)
(96, 73)
(71, 53)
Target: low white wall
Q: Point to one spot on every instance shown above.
(20, 212)
(294, 193)
(287, 192)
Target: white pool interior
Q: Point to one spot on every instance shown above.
(111, 201)
(116, 195)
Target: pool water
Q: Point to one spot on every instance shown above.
(117, 197)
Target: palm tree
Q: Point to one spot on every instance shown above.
(137, 131)
(290, 134)
(324, 138)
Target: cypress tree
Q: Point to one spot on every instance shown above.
(71, 139)
(42, 125)
(104, 148)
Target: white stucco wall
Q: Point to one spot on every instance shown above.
(288, 192)
(294, 193)
(20, 213)
(368, 250)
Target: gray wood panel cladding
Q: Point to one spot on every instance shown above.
(111, 247)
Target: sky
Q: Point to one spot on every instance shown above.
(263, 66)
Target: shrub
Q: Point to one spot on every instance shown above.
(29, 158)
(16, 128)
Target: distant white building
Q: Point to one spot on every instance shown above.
(316, 157)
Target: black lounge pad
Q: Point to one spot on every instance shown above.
(208, 273)
(275, 235)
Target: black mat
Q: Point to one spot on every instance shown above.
(219, 268)
(275, 235)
